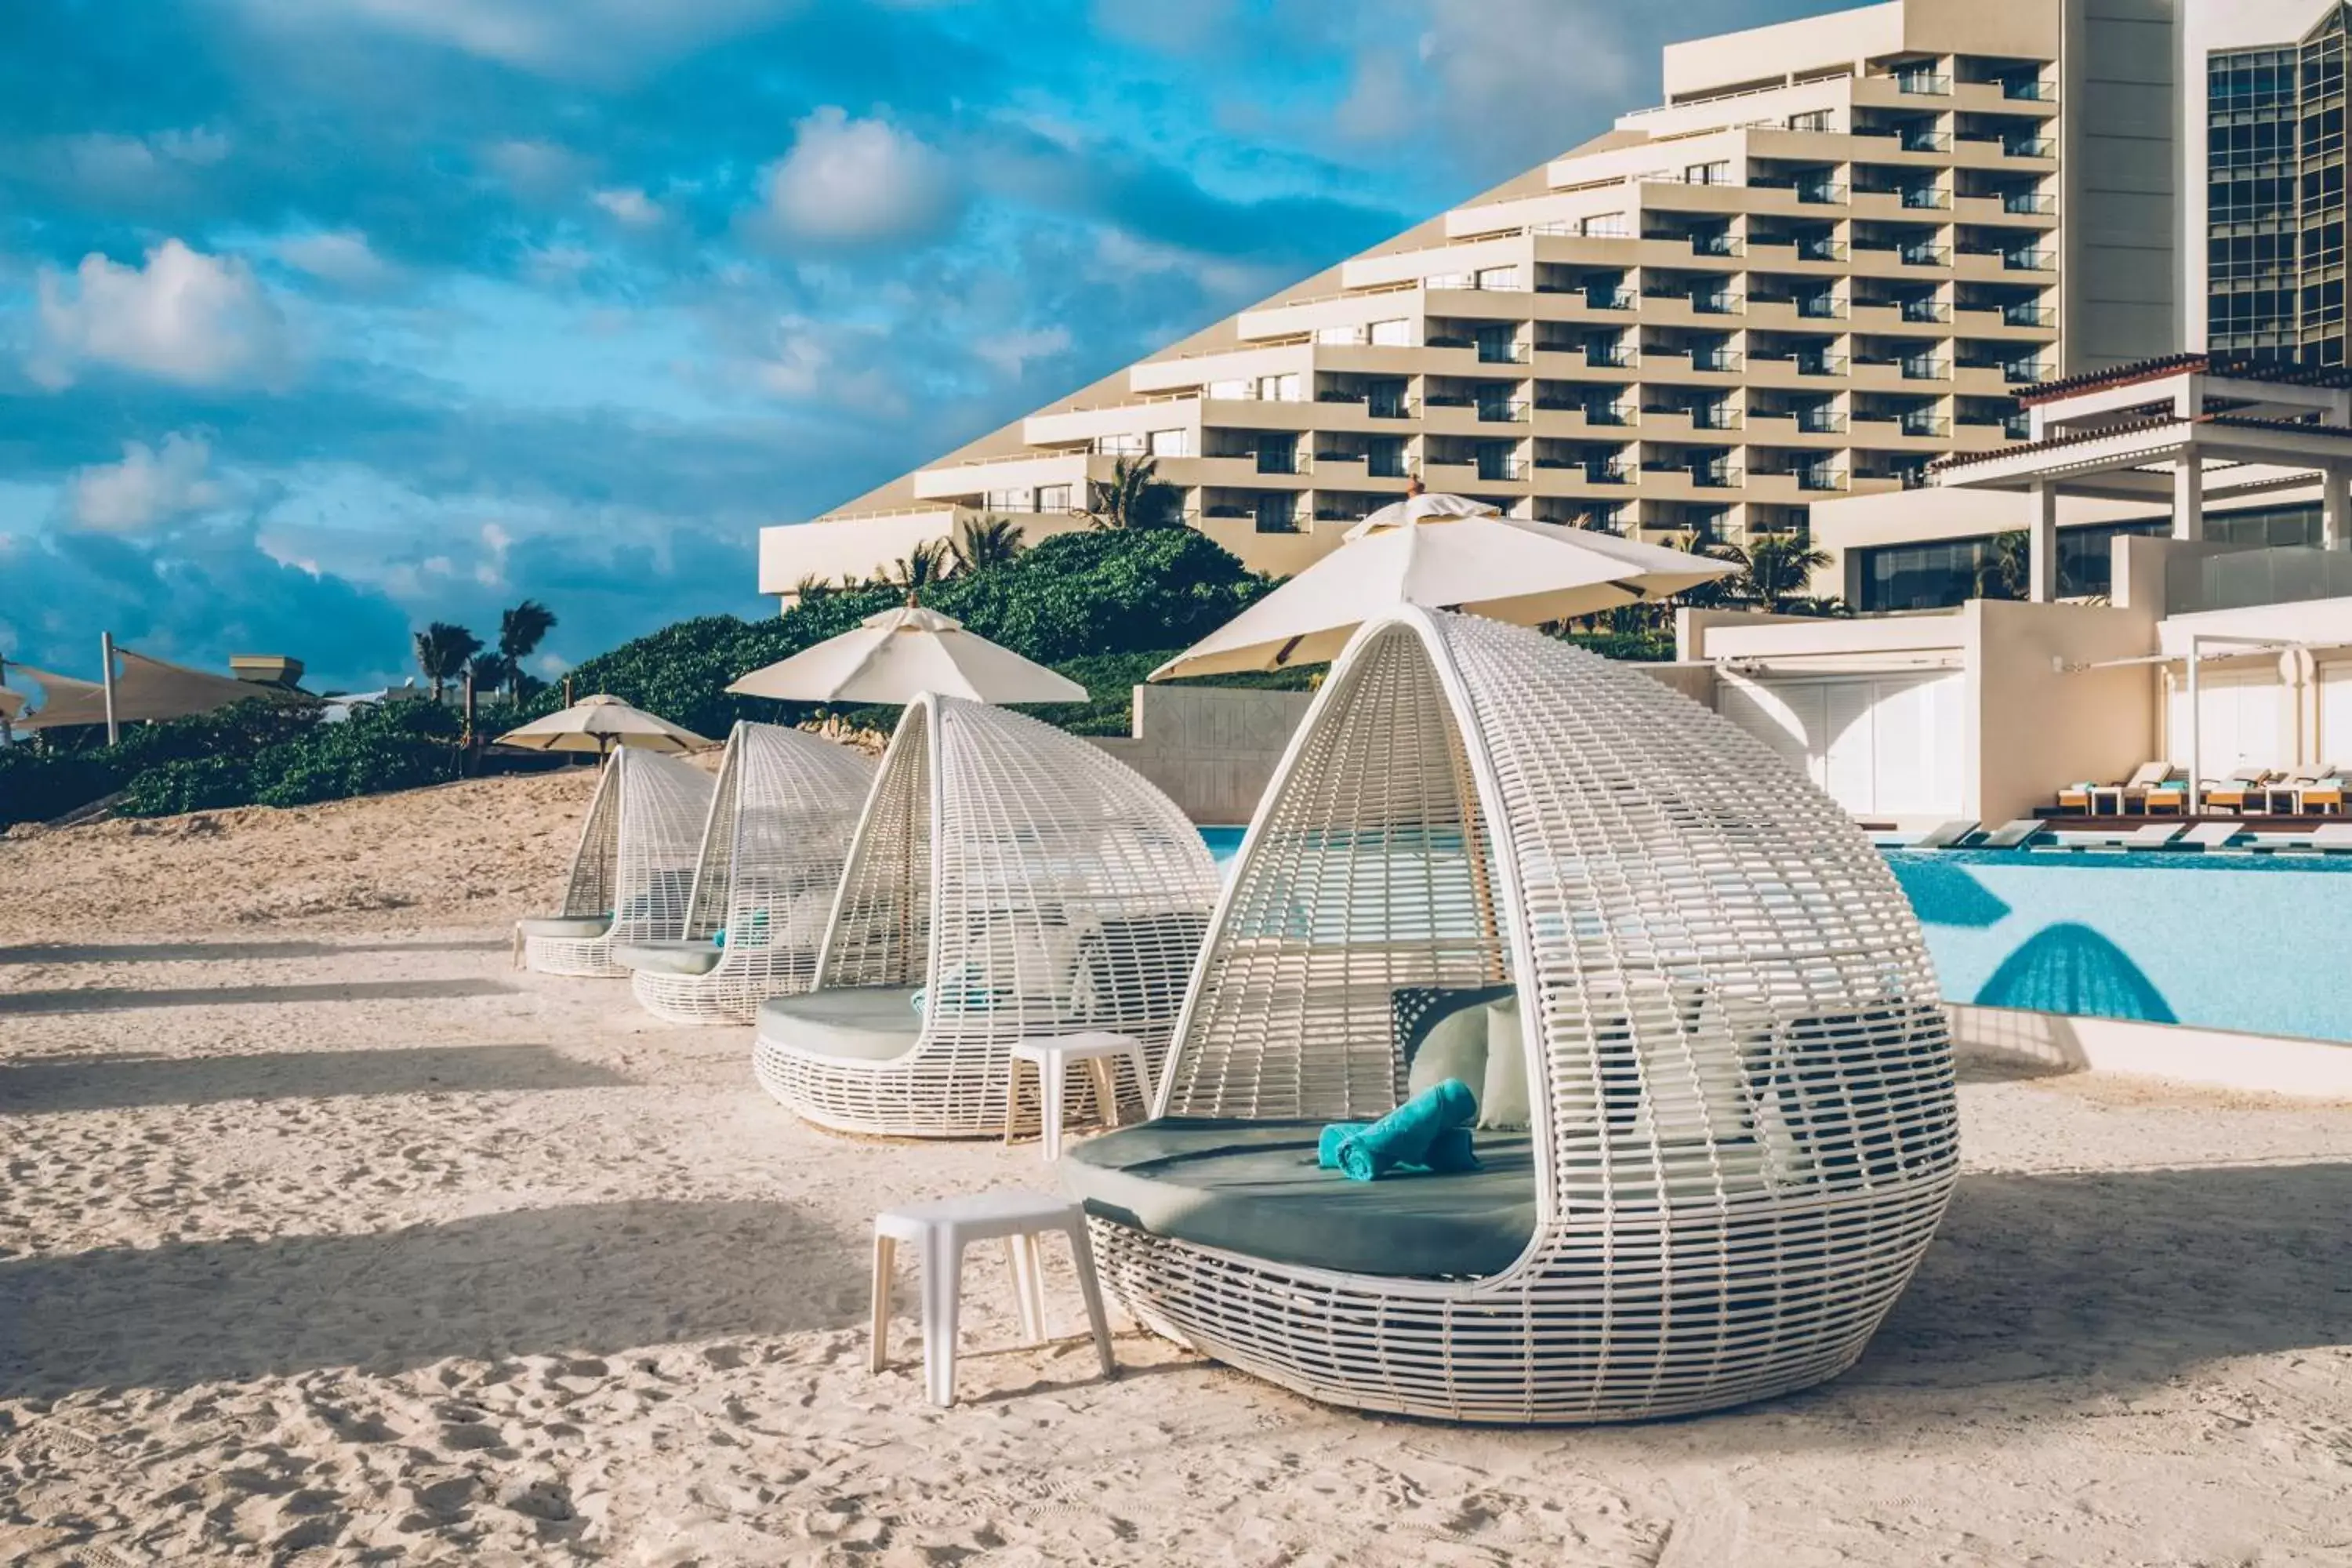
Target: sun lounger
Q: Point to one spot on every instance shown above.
(1944, 835)
(2150, 783)
(2013, 835)
(2245, 787)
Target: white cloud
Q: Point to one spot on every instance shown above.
(860, 182)
(595, 38)
(838, 365)
(200, 320)
(147, 488)
(1011, 353)
(536, 169)
(630, 205)
(342, 256)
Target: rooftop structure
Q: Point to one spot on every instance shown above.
(1831, 257)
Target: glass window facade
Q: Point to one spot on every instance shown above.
(1948, 572)
(2274, 199)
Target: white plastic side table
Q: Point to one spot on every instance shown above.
(940, 1231)
(1053, 1057)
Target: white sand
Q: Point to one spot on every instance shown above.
(331, 1239)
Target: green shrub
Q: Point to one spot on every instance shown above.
(189, 783)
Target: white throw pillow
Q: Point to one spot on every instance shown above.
(1502, 1103)
(1032, 960)
(1456, 1046)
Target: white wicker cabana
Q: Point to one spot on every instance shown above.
(1740, 1129)
(633, 870)
(780, 820)
(1028, 884)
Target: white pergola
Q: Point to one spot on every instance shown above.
(2187, 430)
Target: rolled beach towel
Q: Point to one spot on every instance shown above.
(1430, 1127)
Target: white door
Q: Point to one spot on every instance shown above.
(1882, 745)
(2241, 722)
(2336, 715)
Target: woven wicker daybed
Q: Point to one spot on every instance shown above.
(1739, 1121)
(633, 870)
(780, 819)
(1017, 883)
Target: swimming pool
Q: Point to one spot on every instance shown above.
(2251, 943)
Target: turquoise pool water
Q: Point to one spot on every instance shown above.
(2252, 943)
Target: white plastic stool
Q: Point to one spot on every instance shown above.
(941, 1230)
(1053, 1057)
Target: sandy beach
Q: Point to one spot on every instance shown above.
(328, 1238)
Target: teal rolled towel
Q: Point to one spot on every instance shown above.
(1409, 1136)
(1451, 1155)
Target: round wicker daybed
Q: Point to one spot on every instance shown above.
(780, 820)
(1009, 881)
(1738, 1126)
(633, 868)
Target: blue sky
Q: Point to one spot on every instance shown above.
(322, 319)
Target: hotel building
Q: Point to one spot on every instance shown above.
(1831, 257)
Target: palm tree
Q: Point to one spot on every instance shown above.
(442, 650)
(811, 588)
(491, 671)
(1134, 497)
(2006, 570)
(1716, 590)
(1778, 570)
(985, 542)
(917, 569)
(520, 631)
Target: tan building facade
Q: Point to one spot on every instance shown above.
(1831, 257)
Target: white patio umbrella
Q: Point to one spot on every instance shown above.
(598, 725)
(1446, 553)
(896, 655)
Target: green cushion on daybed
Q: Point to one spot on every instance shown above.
(1252, 1187)
(864, 1023)
(575, 928)
(668, 957)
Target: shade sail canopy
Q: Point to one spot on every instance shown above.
(599, 725)
(901, 654)
(11, 703)
(1442, 552)
(146, 688)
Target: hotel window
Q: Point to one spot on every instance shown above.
(1393, 334)
(1345, 335)
(1812, 120)
(1279, 388)
(1714, 173)
(1120, 446)
(1277, 513)
(1505, 279)
(1229, 391)
(1052, 498)
(1605, 226)
(1384, 458)
(1171, 443)
(1450, 281)
(1010, 500)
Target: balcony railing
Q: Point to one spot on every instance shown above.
(2028, 89)
(1502, 353)
(1926, 84)
(2018, 426)
(1718, 304)
(1820, 364)
(1924, 310)
(1714, 418)
(1820, 307)
(1922, 367)
(1606, 472)
(1925, 197)
(2028, 147)
(1609, 414)
(2025, 260)
(1821, 480)
(2021, 372)
(1492, 413)
(2028, 202)
(1279, 462)
(1716, 361)
(1819, 421)
(1612, 357)
(1820, 251)
(1609, 299)
(1448, 341)
(1390, 408)
(1923, 425)
(1920, 255)
(1714, 244)
(1501, 468)
(1819, 193)
(1924, 140)
(1380, 468)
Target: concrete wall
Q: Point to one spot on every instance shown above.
(1212, 749)
(2057, 1043)
(2120, 280)
(2034, 727)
